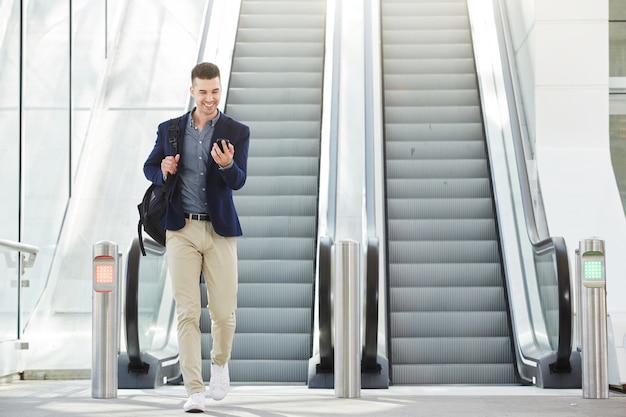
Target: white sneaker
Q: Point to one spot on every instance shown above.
(220, 382)
(195, 403)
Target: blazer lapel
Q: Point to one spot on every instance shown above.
(221, 128)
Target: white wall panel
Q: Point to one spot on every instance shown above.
(571, 9)
(572, 117)
(572, 53)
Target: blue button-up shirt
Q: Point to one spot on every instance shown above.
(192, 172)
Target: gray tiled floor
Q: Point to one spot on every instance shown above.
(73, 398)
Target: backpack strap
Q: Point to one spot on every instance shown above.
(173, 133)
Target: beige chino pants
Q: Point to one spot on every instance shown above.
(193, 249)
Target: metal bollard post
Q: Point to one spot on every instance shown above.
(105, 320)
(347, 318)
(593, 315)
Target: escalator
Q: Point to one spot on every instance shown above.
(276, 89)
(447, 305)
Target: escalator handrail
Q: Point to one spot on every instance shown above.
(370, 347)
(327, 355)
(131, 302)
(131, 308)
(564, 349)
(541, 243)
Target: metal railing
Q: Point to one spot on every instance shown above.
(26, 259)
(28, 253)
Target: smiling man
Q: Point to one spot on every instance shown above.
(201, 226)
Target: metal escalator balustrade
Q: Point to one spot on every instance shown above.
(276, 89)
(544, 336)
(447, 309)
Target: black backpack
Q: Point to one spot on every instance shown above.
(152, 207)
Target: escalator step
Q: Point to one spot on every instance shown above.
(441, 208)
(454, 374)
(446, 275)
(437, 229)
(452, 350)
(466, 252)
(480, 324)
(446, 299)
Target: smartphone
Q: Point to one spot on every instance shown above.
(219, 143)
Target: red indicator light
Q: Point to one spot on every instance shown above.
(104, 272)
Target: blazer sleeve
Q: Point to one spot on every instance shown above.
(235, 176)
(152, 165)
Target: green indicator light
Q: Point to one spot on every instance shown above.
(592, 270)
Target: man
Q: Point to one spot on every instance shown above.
(201, 227)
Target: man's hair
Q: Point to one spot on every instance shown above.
(205, 71)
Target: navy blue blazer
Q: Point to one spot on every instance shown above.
(219, 183)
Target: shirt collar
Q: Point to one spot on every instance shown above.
(212, 122)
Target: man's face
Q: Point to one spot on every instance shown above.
(207, 94)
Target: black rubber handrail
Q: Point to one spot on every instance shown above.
(131, 308)
(327, 354)
(564, 349)
(369, 361)
(131, 303)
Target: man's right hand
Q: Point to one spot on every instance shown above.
(169, 165)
